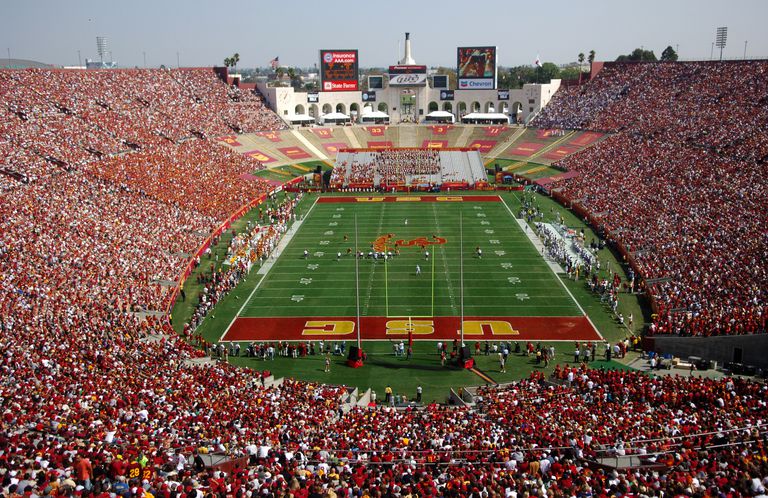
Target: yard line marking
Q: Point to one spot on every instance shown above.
(285, 240)
(373, 270)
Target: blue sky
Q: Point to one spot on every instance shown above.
(204, 32)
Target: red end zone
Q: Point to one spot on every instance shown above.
(439, 328)
(412, 198)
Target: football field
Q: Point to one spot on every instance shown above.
(503, 291)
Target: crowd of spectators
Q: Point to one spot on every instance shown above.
(394, 166)
(97, 402)
(389, 167)
(54, 119)
(246, 249)
(680, 184)
(720, 106)
(195, 174)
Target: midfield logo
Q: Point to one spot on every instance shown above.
(382, 243)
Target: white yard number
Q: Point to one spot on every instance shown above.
(305, 281)
(297, 298)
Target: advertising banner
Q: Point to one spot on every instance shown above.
(446, 94)
(407, 69)
(408, 80)
(476, 68)
(369, 96)
(339, 70)
(503, 95)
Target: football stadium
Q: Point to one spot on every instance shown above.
(401, 282)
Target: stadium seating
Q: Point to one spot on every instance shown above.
(680, 185)
(98, 402)
(388, 168)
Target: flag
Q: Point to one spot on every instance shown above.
(537, 63)
(275, 62)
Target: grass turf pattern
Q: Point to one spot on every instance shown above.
(510, 279)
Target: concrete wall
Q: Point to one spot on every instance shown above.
(528, 100)
(720, 349)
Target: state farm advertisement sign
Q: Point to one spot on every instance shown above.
(339, 70)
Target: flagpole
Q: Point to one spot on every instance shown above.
(461, 273)
(357, 287)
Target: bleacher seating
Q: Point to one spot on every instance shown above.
(681, 184)
(406, 167)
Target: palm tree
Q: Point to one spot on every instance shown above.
(591, 57)
(581, 63)
(235, 60)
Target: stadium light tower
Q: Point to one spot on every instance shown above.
(721, 38)
(101, 47)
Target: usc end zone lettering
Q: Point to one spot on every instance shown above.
(471, 327)
(416, 327)
(319, 327)
(453, 198)
(495, 327)
(404, 327)
(423, 328)
(369, 199)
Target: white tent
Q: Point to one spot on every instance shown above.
(440, 117)
(377, 117)
(485, 118)
(300, 118)
(334, 117)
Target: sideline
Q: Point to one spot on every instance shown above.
(266, 267)
(529, 234)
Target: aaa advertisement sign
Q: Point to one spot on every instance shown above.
(339, 70)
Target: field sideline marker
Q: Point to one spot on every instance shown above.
(557, 276)
(266, 273)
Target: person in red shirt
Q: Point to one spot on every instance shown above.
(83, 471)
(117, 467)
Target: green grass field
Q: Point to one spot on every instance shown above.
(290, 171)
(510, 279)
(394, 289)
